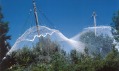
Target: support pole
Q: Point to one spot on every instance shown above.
(94, 17)
(36, 17)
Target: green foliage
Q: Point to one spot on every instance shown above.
(52, 58)
(4, 45)
(115, 20)
(115, 25)
(112, 60)
(74, 56)
(26, 60)
(40, 56)
(24, 56)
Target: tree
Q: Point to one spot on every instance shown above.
(111, 62)
(115, 25)
(35, 59)
(97, 44)
(74, 56)
(4, 45)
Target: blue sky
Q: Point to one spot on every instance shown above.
(68, 16)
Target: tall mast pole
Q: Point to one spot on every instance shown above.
(94, 17)
(36, 17)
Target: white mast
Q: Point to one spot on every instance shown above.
(36, 18)
(94, 17)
